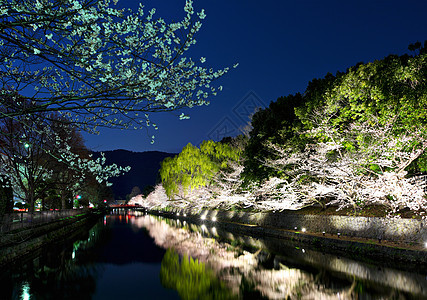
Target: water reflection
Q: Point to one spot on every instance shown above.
(50, 272)
(191, 278)
(130, 255)
(276, 269)
(106, 260)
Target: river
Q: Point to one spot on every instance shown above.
(132, 255)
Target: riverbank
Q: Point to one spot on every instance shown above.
(370, 238)
(17, 243)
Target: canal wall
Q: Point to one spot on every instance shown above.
(367, 238)
(399, 230)
(17, 243)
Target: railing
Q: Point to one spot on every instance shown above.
(19, 220)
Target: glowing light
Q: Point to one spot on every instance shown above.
(214, 218)
(303, 250)
(296, 228)
(177, 214)
(303, 230)
(425, 244)
(73, 256)
(339, 234)
(203, 217)
(25, 291)
(26, 145)
(185, 215)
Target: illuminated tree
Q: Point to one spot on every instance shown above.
(61, 184)
(355, 138)
(389, 93)
(98, 65)
(43, 153)
(364, 164)
(195, 167)
(24, 162)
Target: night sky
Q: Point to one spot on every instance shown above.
(280, 46)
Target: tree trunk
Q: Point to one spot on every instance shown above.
(63, 203)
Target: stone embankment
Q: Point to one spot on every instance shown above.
(371, 237)
(17, 243)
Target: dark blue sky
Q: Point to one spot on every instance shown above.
(280, 46)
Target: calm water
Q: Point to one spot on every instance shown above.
(129, 255)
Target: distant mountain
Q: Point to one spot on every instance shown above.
(144, 169)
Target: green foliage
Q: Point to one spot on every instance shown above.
(389, 92)
(191, 278)
(147, 190)
(276, 124)
(195, 167)
(390, 89)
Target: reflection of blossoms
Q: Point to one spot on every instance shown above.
(234, 265)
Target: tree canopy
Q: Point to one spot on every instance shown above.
(351, 138)
(195, 167)
(99, 65)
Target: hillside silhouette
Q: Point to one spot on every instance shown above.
(144, 169)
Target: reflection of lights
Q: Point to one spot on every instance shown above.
(303, 229)
(204, 228)
(214, 218)
(203, 217)
(214, 232)
(105, 220)
(177, 214)
(25, 291)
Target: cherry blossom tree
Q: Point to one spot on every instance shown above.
(35, 157)
(99, 65)
(363, 164)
